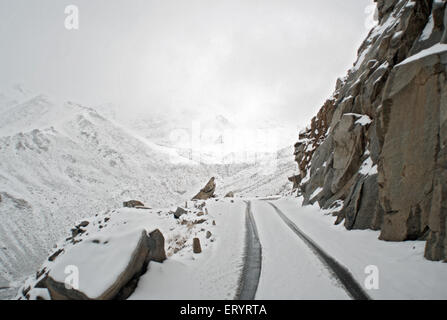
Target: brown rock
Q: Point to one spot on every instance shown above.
(207, 192)
(156, 247)
(133, 204)
(410, 122)
(196, 246)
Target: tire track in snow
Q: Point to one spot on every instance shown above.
(251, 272)
(341, 273)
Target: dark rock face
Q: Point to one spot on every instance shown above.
(378, 145)
(207, 192)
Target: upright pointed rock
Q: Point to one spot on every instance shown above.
(207, 192)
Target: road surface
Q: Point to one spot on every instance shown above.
(281, 262)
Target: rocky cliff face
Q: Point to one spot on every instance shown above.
(377, 148)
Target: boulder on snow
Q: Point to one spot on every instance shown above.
(157, 247)
(107, 268)
(196, 247)
(133, 204)
(55, 255)
(179, 212)
(230, 195)
(83, 224)
(207, 192)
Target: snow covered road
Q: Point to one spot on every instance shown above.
(251, 271)
(257, 256)
(403, 273)
(290, 269)
(340, 272)
(271, 249)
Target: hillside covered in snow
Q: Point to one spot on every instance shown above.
(365, 216)
(60, 162)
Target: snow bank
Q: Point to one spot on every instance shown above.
(215, 273)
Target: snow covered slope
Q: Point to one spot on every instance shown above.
(62, 161)
(265, 177)
(212, 274)
(290, 268)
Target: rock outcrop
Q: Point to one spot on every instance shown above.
(207, 192)
(148, 247)
(376, 150)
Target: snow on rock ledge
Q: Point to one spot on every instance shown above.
(106, 264)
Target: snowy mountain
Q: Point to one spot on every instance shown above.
(60, 162)
(373, 157)
(268, 177)
(171, 129)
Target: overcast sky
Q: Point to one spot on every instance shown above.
(246, 59)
